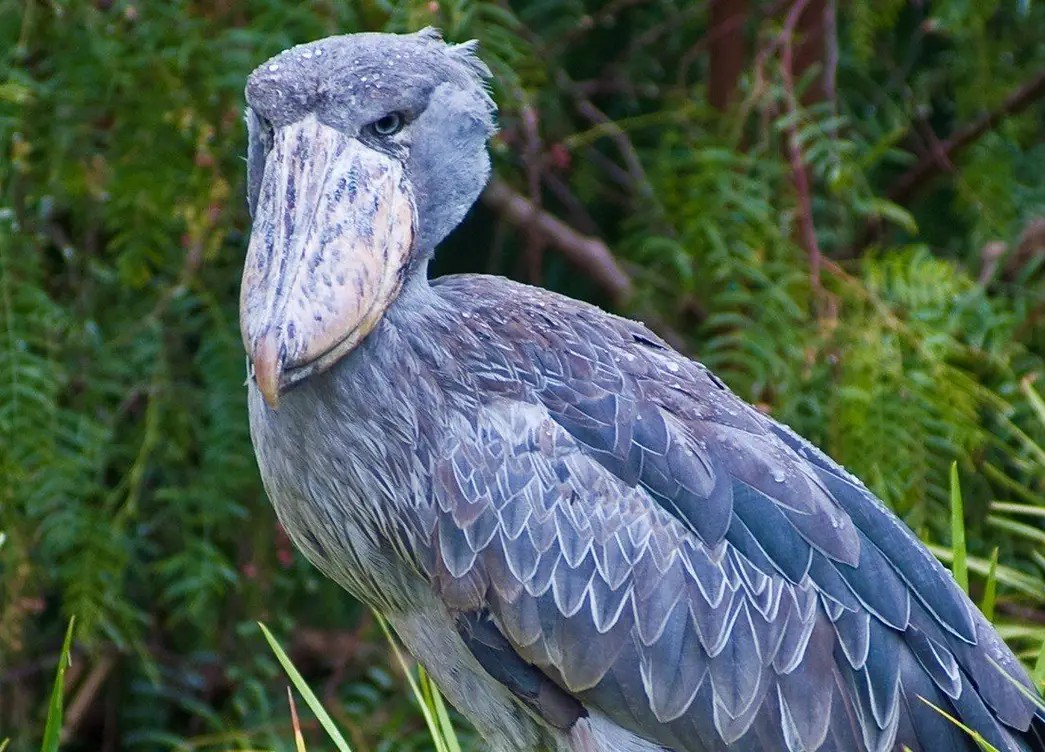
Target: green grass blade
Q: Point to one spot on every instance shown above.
(1026, 691)
(1035, 399)
(299, 738)
(53, 727)
(1026, 441)
(1023, 689)
(429, 716)
(1009, 507)
(306, 692)
(1035, 535)
(3, 744)
(1039, 668)
(990, 589)
(1039, 559)
(1007, 576)
(446, 726)
(977, 737)
(958, 563)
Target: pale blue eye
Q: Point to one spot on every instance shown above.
(388, 125)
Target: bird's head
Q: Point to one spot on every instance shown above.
(364, 152)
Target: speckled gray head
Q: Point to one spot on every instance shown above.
(364, 151)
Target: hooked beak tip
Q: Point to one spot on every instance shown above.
(268, 367)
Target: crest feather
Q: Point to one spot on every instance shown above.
(429, 34)
(468, 53)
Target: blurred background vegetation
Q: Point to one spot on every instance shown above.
(838, 206)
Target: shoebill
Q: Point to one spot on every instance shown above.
(586, 538)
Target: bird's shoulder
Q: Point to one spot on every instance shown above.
(545, 336)
(651, 416)
(503, 302)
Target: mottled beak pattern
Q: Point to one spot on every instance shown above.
(333, 229)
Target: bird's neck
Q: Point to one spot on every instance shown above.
(416, 297)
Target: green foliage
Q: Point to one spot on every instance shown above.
(128, 493)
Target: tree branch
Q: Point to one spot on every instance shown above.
(586, 253)
(939, 159)
(595, 116)
(86, 695)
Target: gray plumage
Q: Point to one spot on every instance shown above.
(588, 540)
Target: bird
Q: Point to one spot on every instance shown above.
(589, 542)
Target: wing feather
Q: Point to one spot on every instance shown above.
(805, 695)
(697, 573)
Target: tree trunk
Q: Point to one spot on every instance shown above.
(727, 53)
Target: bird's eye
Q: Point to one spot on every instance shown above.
(389, 125)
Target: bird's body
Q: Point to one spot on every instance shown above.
(587, 539)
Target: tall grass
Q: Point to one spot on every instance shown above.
(309, 696)
(55, 708)
(959, 567)
(427, 695)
